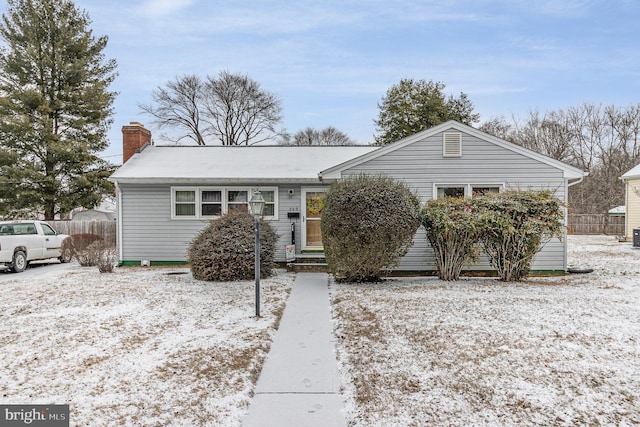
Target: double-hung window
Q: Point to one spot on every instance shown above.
(465, 190)
(453, 191)
(483, 190)
(269, 210)
(210, 202)
(185, 203)
(237, 200)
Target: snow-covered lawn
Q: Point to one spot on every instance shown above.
(144, 347)
(136, 347)
(549, 351)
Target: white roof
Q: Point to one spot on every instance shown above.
(225, 164)
(618, 210)
(633, 173)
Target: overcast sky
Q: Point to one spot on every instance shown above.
(332, 61)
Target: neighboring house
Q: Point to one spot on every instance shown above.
(631, 181)
(166, 194)
(105, 211)
(618, 211)
(93, 215)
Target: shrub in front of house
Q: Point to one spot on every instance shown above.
(368, 224)
(452, 228)
(108, 256)
(100, 254)
(76, 243)
(515, 226)
(224, 250)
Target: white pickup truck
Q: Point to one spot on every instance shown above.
(24, 241)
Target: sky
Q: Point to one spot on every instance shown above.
(331, 62)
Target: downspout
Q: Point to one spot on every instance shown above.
(626, 208)
(566, 215)
(119, 224)
(566, 221)
(571, 184)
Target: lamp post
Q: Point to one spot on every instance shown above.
(257, 204)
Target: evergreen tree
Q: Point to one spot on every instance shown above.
(412, 106)
(55, 109)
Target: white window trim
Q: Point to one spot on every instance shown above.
(468, 188)
(199, 201)
(225, 190)
(173, 202)
(275, 203)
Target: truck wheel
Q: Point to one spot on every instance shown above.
(19, 262)
(67, 255)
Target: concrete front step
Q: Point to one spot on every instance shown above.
(308, 267)
(309, 262)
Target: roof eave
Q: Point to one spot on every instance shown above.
(626, 178)
(569, 172)
(212, 181)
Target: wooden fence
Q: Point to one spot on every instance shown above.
(104, 229)
(596, 224)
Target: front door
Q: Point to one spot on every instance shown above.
(312, 205)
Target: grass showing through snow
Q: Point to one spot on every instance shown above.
(140, 347)
(137, 347)
(550, 351)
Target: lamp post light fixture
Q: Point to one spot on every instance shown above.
(257, 204)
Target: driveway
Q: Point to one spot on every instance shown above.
(36, 268)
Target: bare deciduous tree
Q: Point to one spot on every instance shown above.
(239, 111)
(231, 108)
(548, 134)
(602, 140)
(310, 136)
(499, 127)
(178, 107)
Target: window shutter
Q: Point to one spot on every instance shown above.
(452, 144)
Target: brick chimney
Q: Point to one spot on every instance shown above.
(134, 138)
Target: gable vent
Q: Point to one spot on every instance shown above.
(452, 144)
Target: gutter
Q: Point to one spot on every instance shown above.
(211, 181)
(571, 184)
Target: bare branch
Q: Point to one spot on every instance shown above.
(239, 111)
(178, 107)
(310, 136)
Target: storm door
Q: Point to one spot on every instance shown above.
(312, 205)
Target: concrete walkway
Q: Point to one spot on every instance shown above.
(298, 385)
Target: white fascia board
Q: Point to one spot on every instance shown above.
(631, 174)
(216, 181)
(569, 171)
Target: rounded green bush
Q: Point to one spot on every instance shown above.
(453, 229)
(515, 226)
(224, 250)
(368, 224)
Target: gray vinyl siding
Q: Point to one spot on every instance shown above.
(287, 204)
(149, 232)
(421, 165)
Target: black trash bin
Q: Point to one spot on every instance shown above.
(636, 237)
